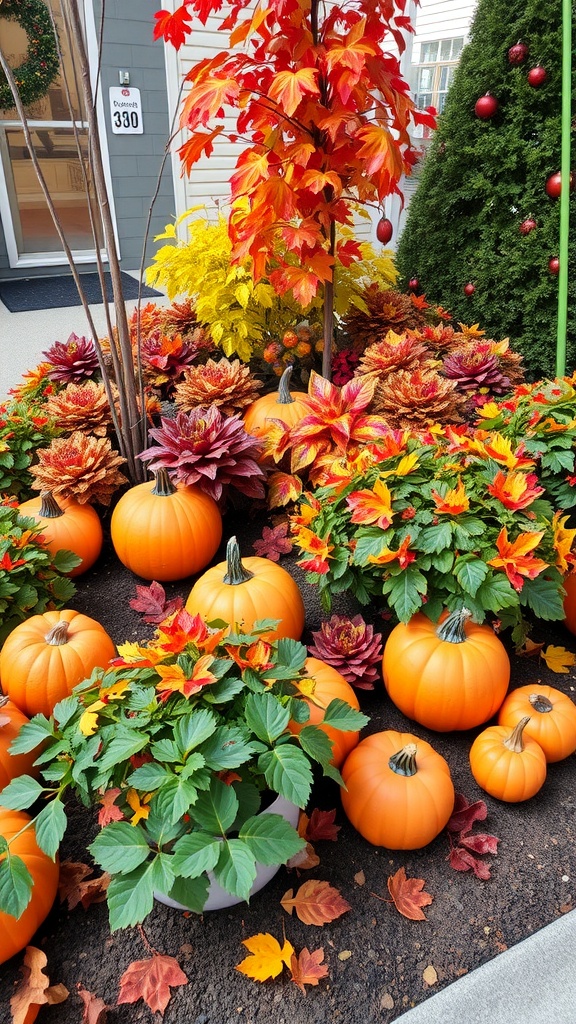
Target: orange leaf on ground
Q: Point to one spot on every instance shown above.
(95, 1009)
(558, 659)
(307, 968)
(315, 902)
(408, 896)
(35, 989)
(267, 957)
(151, 980)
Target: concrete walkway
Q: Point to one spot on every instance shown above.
(533, 982)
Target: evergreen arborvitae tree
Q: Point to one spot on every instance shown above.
(482, 178)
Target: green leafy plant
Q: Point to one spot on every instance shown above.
(176, 742)
(23, 429)
(31, 577)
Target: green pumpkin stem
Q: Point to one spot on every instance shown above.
(58, 635)
(540, 703)
(452, 629)
(284, 396)
(236, 573)
(49, 507)
(515, 741)
(163, 486)
(404, 762)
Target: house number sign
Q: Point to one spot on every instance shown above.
(126, 111)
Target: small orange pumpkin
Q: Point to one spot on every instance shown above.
(165, 532)
(46, 656)
(241, 591)
(552, 718)
(569, 584)
(15, 934)
(446, 677)
(283, 405)
(13, 765)
(508, 765)
(68, 525)
(330, 685)
(399, 792)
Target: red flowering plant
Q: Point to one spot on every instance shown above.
(446, 519)
(175, 745)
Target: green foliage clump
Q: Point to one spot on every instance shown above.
(482, 178)
(23, 429)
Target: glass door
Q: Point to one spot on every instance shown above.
(31, 237)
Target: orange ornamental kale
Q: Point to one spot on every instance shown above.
(323, 115)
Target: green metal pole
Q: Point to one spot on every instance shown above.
(565, 188)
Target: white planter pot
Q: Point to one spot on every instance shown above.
(218, 898)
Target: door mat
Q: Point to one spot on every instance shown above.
(53, 292)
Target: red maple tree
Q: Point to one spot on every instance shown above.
(323, 114)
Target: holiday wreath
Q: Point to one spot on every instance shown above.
(41, 65)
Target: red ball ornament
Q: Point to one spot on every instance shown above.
(486, 106)
(527, 226)
(517, 54)
(384, 230)
(469, 289)
(554, 184)
(537, 76)
(554, 265)
(413, 284)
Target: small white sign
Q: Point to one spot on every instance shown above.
(126, 110)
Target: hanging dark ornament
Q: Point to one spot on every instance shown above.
(527, 226)
(554, 265)
(486, 106)
(537, 76)
(469, 289)
(517, 54)
(384, 230)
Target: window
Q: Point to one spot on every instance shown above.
(434, 73)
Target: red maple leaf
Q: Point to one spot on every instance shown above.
(274, 543)
(173, 28)
(408, 895)
(151, 980)
(151, 601)
(464, 845)
(109, 810)
(320, 825)
(307, 968)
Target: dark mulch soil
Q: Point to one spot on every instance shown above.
(376, 958)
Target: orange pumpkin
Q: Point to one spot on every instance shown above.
(552, 718)
(165, 532)
(446, 677)
(241, 591)
(399, 792)
(330, 685)
(46, 656)
(290, 407)
(569, 584)
(508, 765)
(12, 765)
(15, 934)
(68, 525)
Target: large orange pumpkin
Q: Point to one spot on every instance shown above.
(508, 765)
(13, 765)
(44, 658)
(15, 934)
(552, 718)
(569, 584)
(283, 405)
(241, 591)
(448, 676)
(67, 525)
(165, 532)
(399, 792)
(330, 685)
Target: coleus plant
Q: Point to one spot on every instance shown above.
(176, 743)
(325, 116)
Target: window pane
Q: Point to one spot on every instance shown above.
(429, 52)
(445, 48)
(425, 79)
(457, 45)
(444, 72)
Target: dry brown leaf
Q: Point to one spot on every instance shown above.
(321, 825)
(408, 896)
(315, 902)
(75, 888)
(558, 659)
(35, 989)
(430, 975)
(151, 980)
(95, 1009)
(307, 968)
(345, 954)
(386, 1002)
(304, 860)
(529, 648)
(360, 878)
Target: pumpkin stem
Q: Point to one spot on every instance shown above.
(49, 507)
(404, 762)
(163, 486)
(58, 635)
(236, 573)
(515, 742)
(452, 629)
(284, 396)
(3, 700)
(540, 703)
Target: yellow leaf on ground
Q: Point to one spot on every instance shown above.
(267, 957)
(558, 659)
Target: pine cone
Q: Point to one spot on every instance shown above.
(394, 352)
(386, 310)
(81, 466)
(228, 385)
(418, 398)
(81, 407)
(351, 647)
(73, 360)
(474, 366)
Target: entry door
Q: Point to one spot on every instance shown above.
(31, 237)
